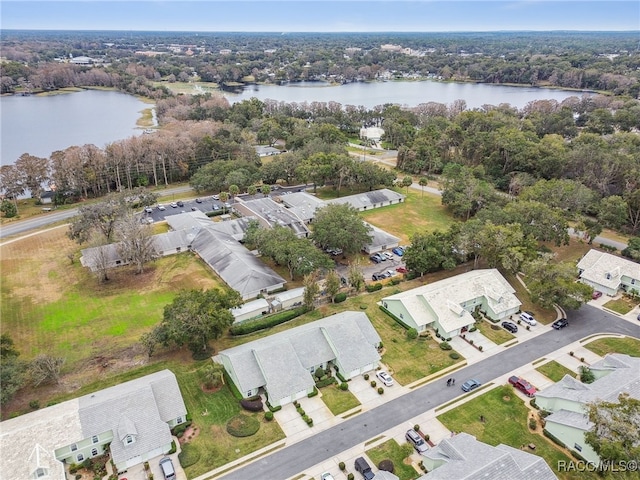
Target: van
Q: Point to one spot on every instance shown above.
(417, 441)
(363, 467)
(527, 317)
(166, 465)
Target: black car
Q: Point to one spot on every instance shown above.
(180, 203)
(560, 323)
(512, 327)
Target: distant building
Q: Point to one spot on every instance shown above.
(609, 273)
(266, 151)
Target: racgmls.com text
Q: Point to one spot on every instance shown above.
(603, 466)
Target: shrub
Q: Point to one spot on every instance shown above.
(363, 307)
(454, 355)
(301, 411)
(266, 322)
(242, 426)
(380, 390)
(571, 354)
(582, 359)
(366, 376)
(296, 403)
(449, 339)
(446, 346)
(34, 404)
(189, 455)
(313, 393)
(350, 476)
(309, 420)
(150, 476)
(78, 476)
(326, 382)
(473, 329)
(268, 416)
(426, 437)
(179, 430)
(344, 386)
(214, 213)
(252, 404)
(416, 427)
(528, 327)
(386, 465)
(319, 373)
(272, 408)
(340, 297)
(174, 449)
(470, 342)
(373, 383)
(342, 466)
(480, 347)
(532, 423)
(412, 334)
(373, 287)
(395, 281)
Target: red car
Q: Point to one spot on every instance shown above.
(522, 385)
(596, 294)
(402, 270)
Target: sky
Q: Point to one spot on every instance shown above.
(321, 15)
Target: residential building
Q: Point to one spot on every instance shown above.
(615, 374)
(249, 310)
(133, 419)
(369, 200)
(446, 305)
(380, 240)
(282, 365)
(609, 273)
(464, 458)
(266, 150)
(270, 214)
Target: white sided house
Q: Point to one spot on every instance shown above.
(609, 273)
(133, 419)
(446, 305)
(250, 310)
(282, 365)
(464, 458)
(615, 374)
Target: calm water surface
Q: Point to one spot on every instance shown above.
(42, 125)
(402, 93)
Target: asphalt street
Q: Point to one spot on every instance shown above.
(296, 458)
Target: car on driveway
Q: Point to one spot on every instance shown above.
(560, 323)
(522, 385)
(376, 258)
(168, 471)
(402, 270)
(148, 209)
(527, 317)
(416, 441)
(385, 378)
(388, 255)
(326, 476)
(362, 466)
(470, 385)
(216, 197)
(596, 294)
(398, 251)
(512, 327)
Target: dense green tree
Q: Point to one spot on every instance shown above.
(311, 290)
(12, 370)
(568, 195)
(430, 252)
(615, 431)
(613, 211)
(339, 226)
(355, 277)
(332, 283)
(195, 317)
(8, 208)
(463, 193)
(505, 246)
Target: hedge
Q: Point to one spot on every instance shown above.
(252, 404)
(340, 297)
(266, 322)
(325, 382)
(215, 213)
(373, 287)
(394, 317)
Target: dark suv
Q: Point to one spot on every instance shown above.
(363, 467)
(512, 327)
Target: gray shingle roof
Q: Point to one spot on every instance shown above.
(623, 377)
(571, 419)
(468, 459)
(370, 199)
(348, 336)
(380, 238)
(273, 214)
(605, 269)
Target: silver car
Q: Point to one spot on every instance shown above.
(417, 441)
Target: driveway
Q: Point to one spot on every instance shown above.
(349, 434)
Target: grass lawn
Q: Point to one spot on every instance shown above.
(627, 345)
(494, 332)
(338, 401)
(505, 422)
(621, 305)
(555, 371)
(50, 305)
(390, 450)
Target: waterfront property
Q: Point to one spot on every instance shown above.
(615, 374)
(132, 421)
(282, 365)
(446, 305)
(608, 273)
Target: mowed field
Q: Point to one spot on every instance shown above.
(51, 305)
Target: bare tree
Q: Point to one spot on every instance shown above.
(45, 369)
(34, 172)
(98, 259)
(136, 241)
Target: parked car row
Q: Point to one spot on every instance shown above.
(383, 275)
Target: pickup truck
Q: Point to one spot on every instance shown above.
(522, 385)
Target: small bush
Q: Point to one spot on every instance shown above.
(296, 403)
(309, 420)
(340, 297)
(373, 383)
(533, 423)
(34, 404)
(380, 390)
(268, 416)
(454, 356)
(449, 339)
(350, 476)
(313, 393)
(480, 347)
(301, 411)
(582, 359)
(363, 307)
(445, 346)
(373, 287)
(473, 329)
(78, 476)
(412, 334)
(426, 437)
(252, 404)
(395, 281)
(416, 427)
(326, 382)
(470, 342)
(344, 386)
(342, 466)
(366, 376)
(174, 449)
(571, 354)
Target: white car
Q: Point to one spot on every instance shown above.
(161, 207)
(389, 255)
(174, 205)
(326, 476)
(385, 378)
(148, 209)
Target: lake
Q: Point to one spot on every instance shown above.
(42, 125)
(409, 93)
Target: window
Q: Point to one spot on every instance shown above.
(94, 439)
(80, 457)
(577, 447)
(94, 452)
(128, 439)
(40, 472)
(74, 447)
(179, 420)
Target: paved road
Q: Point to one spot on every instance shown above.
(296, 458)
